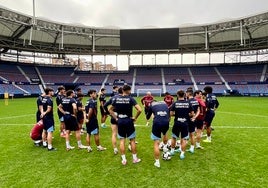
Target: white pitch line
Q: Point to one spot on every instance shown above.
(220, 127)
(242, 114)
(216, 127)
(238, 127)
(16, 124)
(11, 117)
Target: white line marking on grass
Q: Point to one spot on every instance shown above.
(242, 114)
(216, 127)
(16, 124)
(11, 117)
(220, 127)
(238, 127)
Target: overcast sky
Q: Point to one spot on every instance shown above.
(139, 13)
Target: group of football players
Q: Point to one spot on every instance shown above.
(193, 112)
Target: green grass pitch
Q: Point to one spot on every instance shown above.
(237, 156)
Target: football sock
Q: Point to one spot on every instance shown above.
(79, 143)
(182, 152)
(67, 144)
(192, 147)
(45, 144)
(123, 157)
(172, 150)
(157, 160)
(49, 146)
(197, 144)
(134, 156)
(209, 137)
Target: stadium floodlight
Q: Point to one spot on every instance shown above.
(155, 92)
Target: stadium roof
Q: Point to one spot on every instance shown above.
(25, 33)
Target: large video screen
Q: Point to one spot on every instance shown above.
(149, 39)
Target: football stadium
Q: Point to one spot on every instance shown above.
(104, 106)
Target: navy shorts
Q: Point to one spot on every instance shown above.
(38, 114)
(92, 125)
(113, 121)
(60, 115)
(199, 123)
(209, 117)
(146, 110)
(48, 123)
(192, 126)
(160, 127)
(126, 128)
(70, 122)
(103, 113)
(180, 129)
(80, 117)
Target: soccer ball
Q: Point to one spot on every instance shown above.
(166, 156)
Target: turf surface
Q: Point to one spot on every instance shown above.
(237, 156)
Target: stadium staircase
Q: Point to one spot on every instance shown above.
(104, 81)
(192, 78)
(134, 81)
(75, 80)
(263, 77)
(23, 73)
(18, 87)
(2, 78)
(222, 79)
(163, 80)
(40, 77)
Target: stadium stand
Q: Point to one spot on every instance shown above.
(127, 77)
(32, 89)
(11, 73)
(244, 78)
(57, 74)
(172, 73)
(240, 73)
(148, 75)
(172, 89)
(30, 71)
(90, 78)
(205, 74)
(10, 89)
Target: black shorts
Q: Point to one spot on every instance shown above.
(180, 129)
(38, 114)
(126, 128)
(199, 124)
(60, 115)
(103, 112)
(80, 117)
(146, 110)
(70, 123)
(113, 121)
(48, 122)
(160, 127)
(92, 125)
(209, 117)
(192, 126)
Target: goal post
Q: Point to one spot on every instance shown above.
(154, 92)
